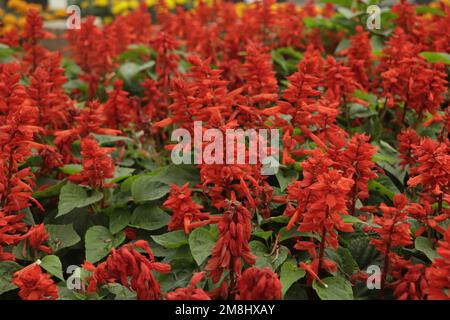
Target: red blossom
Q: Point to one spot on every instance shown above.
(131, 268)
(35, 237)
(190, 292)
(34, 284)
(438, 274)
(185, 212)
(258, 284)
(232, 248)
(97, 164)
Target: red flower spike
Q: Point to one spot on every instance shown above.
(191, 292)
(438, 273)
(184, 210)
(258, 284)
(34, 284)
(131, 268)
(232, 248)
(97, 164)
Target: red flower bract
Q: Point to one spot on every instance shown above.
(257, 284)
(34, 284)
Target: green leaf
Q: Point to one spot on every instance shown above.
(149, 217)
(5, 51)
(201, 242)
(263, 234)
(71, 168)
(61, 236)
(285, 177)
(338, 289)
(172, 239)
(343, 3)
(121, 292)
(381, 189)
(289, 274)
(99, 242)
(428, 9)
(105, 139)
(119, 219)
(178, 174)
(50, 192)
(129, 70)
(135, 52)
(434, 57)
(352, 219)
(53, 265)
(357, 110)
(7, 269)
(347, 13)
(293, 233)
(342, 256)
(263, 257)
(345, 43)
(147, 189)
(363, 252)
(424, 245)
(120, 173)
(73, 196)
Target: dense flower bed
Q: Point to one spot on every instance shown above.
(93, 207)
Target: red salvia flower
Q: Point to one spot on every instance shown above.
(11, 229)
(339, 81)
(117, 109)
(34, 284)
(412, 285)
(131, 268)
(190, 292)
(258, 284)
(185, 212)
(357, 162)
(32, 34)
(393, 230)
(260, 82)
(93, 50)
(232, 248)
(360, 56)
(408, 139)
(35, 237)
(97, 164)
(438, 274)
(433, 169)
(12, 93)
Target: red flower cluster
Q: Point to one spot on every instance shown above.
(232, 248)
(186, 214)
(34, 284)
(257, 284)
(190, 292)
(393, 231)
(131, 268)
(97, 164)
(438, 273)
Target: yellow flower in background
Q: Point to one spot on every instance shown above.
(151, 3)
(120, 7)
(101, 3)
(107, 20)
(240, 8)
(171, 4)
(319, 9)
(60, 13)
(21, 22)
(9, 19)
